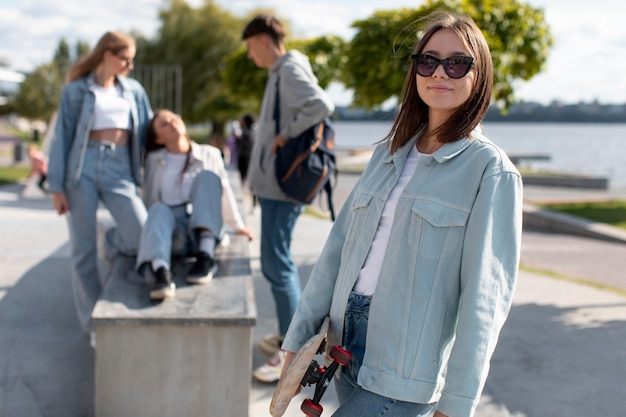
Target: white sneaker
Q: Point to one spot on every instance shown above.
(270, 372)
(271, 344)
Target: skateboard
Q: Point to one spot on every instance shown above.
(305, 371)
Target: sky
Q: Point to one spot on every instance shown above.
(586, 63)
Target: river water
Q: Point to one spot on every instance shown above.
(576, 148)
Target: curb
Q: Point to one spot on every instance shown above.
(552, 221)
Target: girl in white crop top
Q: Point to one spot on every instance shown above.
(95, 158)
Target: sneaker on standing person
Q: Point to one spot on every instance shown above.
(271, 344)
(270, 372)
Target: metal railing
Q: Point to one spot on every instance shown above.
(163, 83)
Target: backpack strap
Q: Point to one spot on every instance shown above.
(277, 108)
(329, 193)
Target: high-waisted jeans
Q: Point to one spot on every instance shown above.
(354, 400)
(106, 177)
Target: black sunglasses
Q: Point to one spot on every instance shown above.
(454, 66)
(127, 61)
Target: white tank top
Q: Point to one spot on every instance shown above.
(175, 186)
(111, 111)
(368, 277)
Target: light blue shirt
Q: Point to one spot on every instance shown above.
(448, 277)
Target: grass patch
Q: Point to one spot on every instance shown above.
(582, 281)
(25, 136)
(11, 174)
(352, 168)
(609, 212)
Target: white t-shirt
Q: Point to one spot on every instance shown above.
(175, 190)
(368, 277)
(111, 110)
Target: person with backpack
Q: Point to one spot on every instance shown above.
(303, 103)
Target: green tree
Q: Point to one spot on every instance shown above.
(62, 57)
(245, 81)
(378, 55)
(199, 39)
(40, 92)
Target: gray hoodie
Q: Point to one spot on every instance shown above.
(303, 103)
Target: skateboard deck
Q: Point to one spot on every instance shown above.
(304, 370)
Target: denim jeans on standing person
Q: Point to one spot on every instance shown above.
(106, 176)
(278, 220)
(355, 401)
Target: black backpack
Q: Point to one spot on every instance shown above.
(305, 164)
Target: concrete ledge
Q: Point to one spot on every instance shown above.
(567, 181)
(186, 356)
(226, 301)
(552, 221)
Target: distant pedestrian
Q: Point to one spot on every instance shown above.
(95, 156)
(244, 142)
(38, 166)
(419, 269)
(303, 103)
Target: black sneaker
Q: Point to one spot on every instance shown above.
(163, 285)
(202, 270)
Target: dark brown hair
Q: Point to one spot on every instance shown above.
(265, 23)
(114, 42)
(152, 146)
(413, 114)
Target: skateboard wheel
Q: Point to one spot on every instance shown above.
(340, 355)
(310, 409)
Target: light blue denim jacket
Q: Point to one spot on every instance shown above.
(448, 277)
(73, 124)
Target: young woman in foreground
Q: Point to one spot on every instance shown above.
(419, 270)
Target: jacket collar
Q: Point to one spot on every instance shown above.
(445, 153)
(91, 81)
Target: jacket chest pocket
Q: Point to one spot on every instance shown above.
(359, 219)
(440, 228)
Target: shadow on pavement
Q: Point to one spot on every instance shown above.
(46, 366)
(562, 361)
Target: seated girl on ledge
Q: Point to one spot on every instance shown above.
(189, 198)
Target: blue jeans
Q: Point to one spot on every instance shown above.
(169, 230)
(106, 177)
(278, 219)
(354, 400)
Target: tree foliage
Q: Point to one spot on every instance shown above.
(40, 92)
(245, 81)
(200, 40)
(220, 82)
(378, 55)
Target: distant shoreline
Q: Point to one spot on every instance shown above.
(517, 113)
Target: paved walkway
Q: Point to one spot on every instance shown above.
(562, 351)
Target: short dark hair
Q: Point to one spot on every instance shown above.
(248, 120)
(265, 23)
